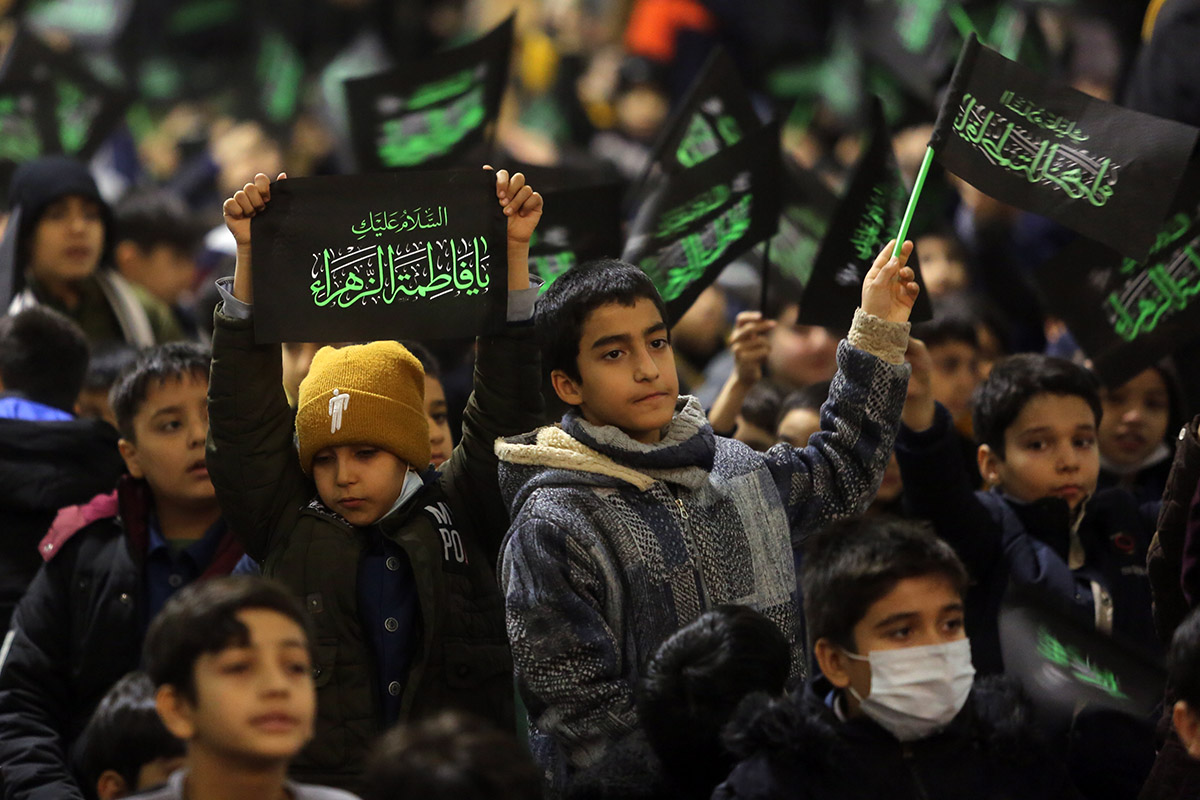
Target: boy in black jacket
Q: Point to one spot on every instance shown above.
(897, 712)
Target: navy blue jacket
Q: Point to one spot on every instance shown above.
(1002, 541)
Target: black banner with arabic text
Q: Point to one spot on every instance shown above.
(1104, 171)
(417, 254)
(867, 216)
(432, 113)
(698, 220)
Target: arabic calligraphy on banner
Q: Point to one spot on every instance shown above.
(1164, 286)
(386, 273)
(381, 222)
(435, 119)
(1028, 151)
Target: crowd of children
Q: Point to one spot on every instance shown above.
(755, 558)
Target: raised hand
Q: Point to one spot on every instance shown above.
(919, 404)
(890, 287)
(523, 208)
(245, 204)
(750, 346)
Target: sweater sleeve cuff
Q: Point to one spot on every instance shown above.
(877, 336)
(232, 307)
(521, 301)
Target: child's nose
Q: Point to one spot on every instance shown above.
(645, 368)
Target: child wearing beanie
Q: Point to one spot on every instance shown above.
(393, 561)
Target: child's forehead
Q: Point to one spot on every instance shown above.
(169, 390)
(614, 317)
(1053, 410)
(915, 594)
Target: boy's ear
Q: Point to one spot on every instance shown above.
(832, 662)
(110, 785)
(175, 712)
(129, 452)
(989, 464)
(1187, 725)
(567, 388)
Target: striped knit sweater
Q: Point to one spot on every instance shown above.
(616, 544)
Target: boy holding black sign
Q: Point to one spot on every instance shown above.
(632, 518)
(393, 561)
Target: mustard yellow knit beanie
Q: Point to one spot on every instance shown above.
(364, 394)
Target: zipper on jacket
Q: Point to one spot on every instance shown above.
(682, 511)
(907, 753)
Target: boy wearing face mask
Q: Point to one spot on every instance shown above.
(896, 711)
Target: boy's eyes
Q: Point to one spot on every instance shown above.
(441, 418)
(659, 344)
(366, 452)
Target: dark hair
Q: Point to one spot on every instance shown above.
(810, 398)
(946, 329)
(152, 217)
(694, 682)
(124, 734)
(1183, 662)
(154, 366)
(107, 363)
(566, 304)
(429, 362)
(202, 618)
(1015, 380)
(762, 405)
(854, 562)
(452, 756)
(43, 357)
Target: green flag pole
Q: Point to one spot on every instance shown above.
(912, 200)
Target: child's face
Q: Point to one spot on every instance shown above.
(254, 703)
(1049, 451)
(440, 442)
(955, 375)
(168, 451)
(68, 240)
(626, 369)
(919, 611)
(1135, 418)
(1187, 725)
(801, 354)
(165, 270)
(942, 271)
(798, 425)
(358, 481)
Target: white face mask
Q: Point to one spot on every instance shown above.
(916, 691)
(412, 484)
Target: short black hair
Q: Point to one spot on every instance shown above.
(202, 618)
(566, 304)
(945, 329)
(810, 398)
(452, 756)
(429, 362)
(107, 363)
(762, 404)
(156, 216)
(1183, 662)
(852, 563)
(124, 734)
(1015, 380)
(695, 681)
(154, 366)
(43, 357)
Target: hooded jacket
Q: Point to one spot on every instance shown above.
(110, 307)
(44, 466)
(448, 535)
(798, 748)
(616, 544)
(76, 631)
(1002, 540)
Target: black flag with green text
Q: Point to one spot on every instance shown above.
(698, 220)
(1104, 171)
(867, 216)
(430, 113)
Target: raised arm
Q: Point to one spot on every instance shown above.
(839, 471)
(751, 346)
(251, 458)
(506, 397)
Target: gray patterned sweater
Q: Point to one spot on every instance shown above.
(616, 544)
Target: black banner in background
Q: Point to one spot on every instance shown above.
(807, 207)
(418, 254)
(1128, 314)
(697, 221)
(867, 216)
(1104, 171)
(430, 113)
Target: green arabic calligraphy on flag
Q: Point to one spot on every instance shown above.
(1104, 171)
(385, 256)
